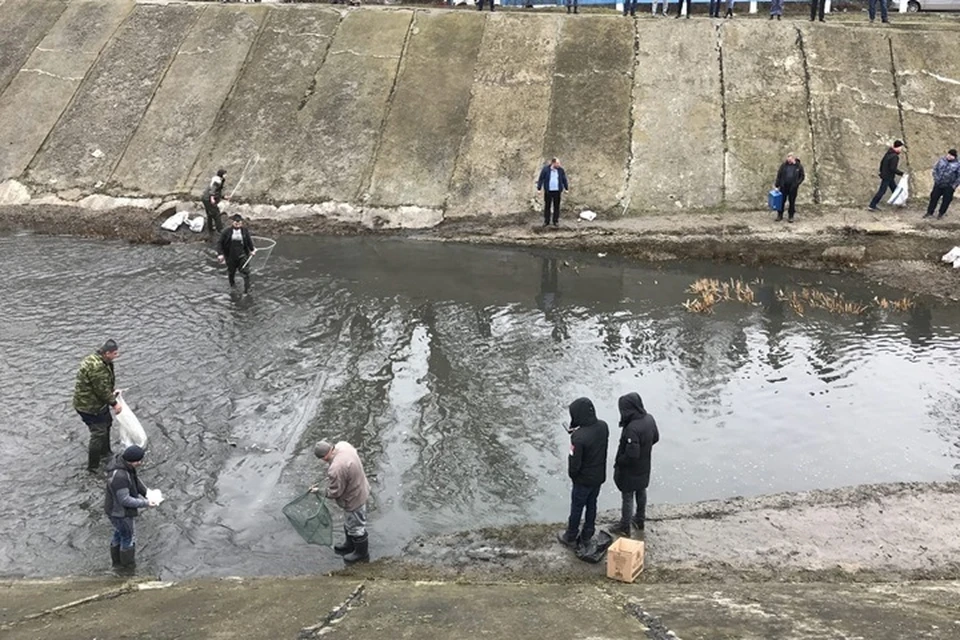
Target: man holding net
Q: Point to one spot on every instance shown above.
(236, 249)
(348, 486)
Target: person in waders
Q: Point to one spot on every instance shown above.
(93, 396)
(236, 247)
(348, 486)
(212, 196)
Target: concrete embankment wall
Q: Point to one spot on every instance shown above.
(454, 111)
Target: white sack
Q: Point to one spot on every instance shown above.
(131, 431)
(173, 222)
(901, 193)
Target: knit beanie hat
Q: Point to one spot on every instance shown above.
(322, 449)
(133, 453)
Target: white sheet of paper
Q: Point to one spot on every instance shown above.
(154, 496)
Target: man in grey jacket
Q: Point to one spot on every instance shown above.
(348, 486)
(125, 496)
(946, 178)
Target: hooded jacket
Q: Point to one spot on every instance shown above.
(631, 470)
(587, 464)
(889, 164)
(125, 493)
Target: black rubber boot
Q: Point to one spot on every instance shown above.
(115, 555)
(346, 547)
(566, 541)
(621, 530)
(360, 553)
(128, 561)
(93, 459)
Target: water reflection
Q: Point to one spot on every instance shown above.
(450, 369)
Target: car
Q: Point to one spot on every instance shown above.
(931, 5)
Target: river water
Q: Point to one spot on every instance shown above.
(450, 369)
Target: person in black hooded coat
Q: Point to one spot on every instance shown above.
(631, 470)
(587, 468)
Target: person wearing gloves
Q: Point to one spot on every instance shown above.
(348, 486)
(125, 496)
(93, 396)
(587, 468)
(631, 470)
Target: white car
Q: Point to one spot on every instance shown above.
(931, 5)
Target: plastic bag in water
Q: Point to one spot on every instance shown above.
(311, 518)
(131, 431)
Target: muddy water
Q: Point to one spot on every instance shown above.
(450, 369)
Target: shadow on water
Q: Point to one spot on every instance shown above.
(450, 369)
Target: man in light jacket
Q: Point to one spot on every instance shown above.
(631, 470)
(946, 178)
(348, 486)
(552, 180)
(125, 496)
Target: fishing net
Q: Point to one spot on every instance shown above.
(264, 247)
(311, 518)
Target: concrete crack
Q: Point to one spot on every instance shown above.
(654, 628)
(813, 135)
(335, 615)
(723, 116)
(363, 55)
(628, 171)
(896, 93)
(52, 75)
(924, 71)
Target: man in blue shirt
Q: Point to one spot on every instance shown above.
(553, 180)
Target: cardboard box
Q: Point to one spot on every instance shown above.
(625, 559)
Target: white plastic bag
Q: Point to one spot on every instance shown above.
(952, 255)
(196, 224)
(155, 496)
(901, 193)
(173, 222)
(131, 431)
(588, 215)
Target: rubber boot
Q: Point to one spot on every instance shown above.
(115, 555)
(346, 547)
(621, 530)
(360, 551)
(93, 459)
(128, 561)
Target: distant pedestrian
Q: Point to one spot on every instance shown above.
(872, 10)
(680, 8)
(631, 469)
(236, 248)
(587, 468)
(574, 4)
(93, 395)
(789, 178)
(888, 173)
(817, 9)
(553, 181)
(776, 9)
(713, 7)
(125, 496)
(630, 7)
(212, 196)
(347, 485)
(729, 13)
(664, 7)
(946, 178)
(480, 5)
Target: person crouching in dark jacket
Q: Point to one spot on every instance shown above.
(125, 496)
(587, 468)
(789, 178)
(631, 470)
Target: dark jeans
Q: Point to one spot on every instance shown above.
(123, 533)
(582, 497)
(551, 199)
(236, 264)
(789, 194)
(630, 6)
(99, 426)
(626, 508)
(480, 5)
(574, 4)
(885, 183)
(213, 216)
(872, 9)
(940, 191)
(817, 7)
(715, 8)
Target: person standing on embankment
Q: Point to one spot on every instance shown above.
(946, 179)
(789, 178)
(553, 181)
(889, 170)
(94, 394)
(587, 468)
(631, 468)
(212, 196)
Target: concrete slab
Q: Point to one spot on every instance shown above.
(417, 610)
(677, 148)
(21, 598)
(855, 111)
(23, 23)
(88, 141)
(250, 609)
(926, 68)
(502, 153)
(42, 89)
(256, 118)
(161, 153)
(766, 108)
(428, 114)
(340, 123)
(591, 103)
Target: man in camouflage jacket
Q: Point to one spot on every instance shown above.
(93, 397)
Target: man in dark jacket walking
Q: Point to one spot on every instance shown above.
(212, 196)
(789, 178)
(888, 173)
(587, 468)
(93, 395)
(552, 180)
(125, 496)
(946, 178)
(631, 470)
(236, 246)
